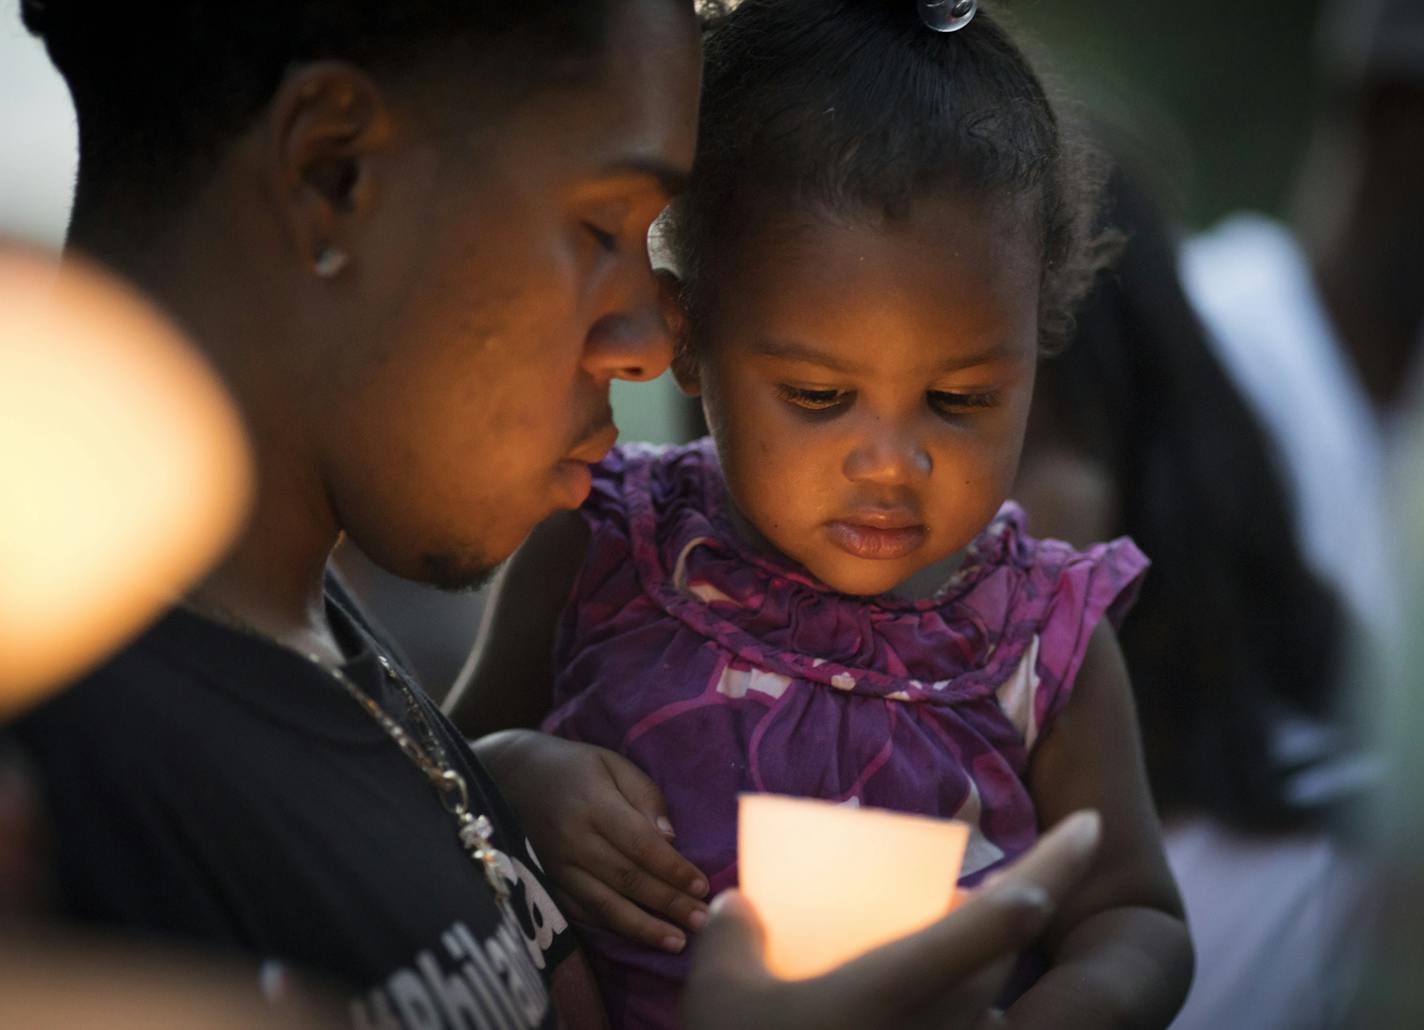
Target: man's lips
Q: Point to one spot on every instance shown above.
(572, 473)
(877, 535)
(594, 447)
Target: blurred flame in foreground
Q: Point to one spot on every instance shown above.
(123, 469)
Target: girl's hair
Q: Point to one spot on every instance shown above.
(1232, 630)
(161, 88)
(851, 109)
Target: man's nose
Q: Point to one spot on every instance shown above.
(633, 342)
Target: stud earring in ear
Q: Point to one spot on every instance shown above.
(330, 261)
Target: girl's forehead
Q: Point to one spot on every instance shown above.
(949, 277)
(936, 241)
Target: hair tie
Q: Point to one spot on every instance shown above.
(947, 15)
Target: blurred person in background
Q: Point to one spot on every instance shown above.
(1318, 322)
(1317, 326)
(1391, 990)
(1234, 647)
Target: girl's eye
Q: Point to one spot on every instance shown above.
(947, 403)
(605, 240)
(812, 400)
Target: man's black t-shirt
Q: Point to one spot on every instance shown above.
(207, 784)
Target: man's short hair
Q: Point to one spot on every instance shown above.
(161, 88)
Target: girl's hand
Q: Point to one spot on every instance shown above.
(600, 828)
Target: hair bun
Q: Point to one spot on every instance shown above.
(37, 15)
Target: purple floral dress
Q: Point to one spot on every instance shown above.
(718, 670)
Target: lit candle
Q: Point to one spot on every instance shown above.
(831, 882)
(123, 469)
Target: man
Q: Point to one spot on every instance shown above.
(412, 239)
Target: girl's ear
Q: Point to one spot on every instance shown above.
(684, 362)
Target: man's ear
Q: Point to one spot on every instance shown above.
(327, 123)
(684, 362)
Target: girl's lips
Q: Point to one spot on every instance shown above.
(876, 542)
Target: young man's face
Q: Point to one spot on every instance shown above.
(511, 284)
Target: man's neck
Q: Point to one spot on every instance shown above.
(272, 580)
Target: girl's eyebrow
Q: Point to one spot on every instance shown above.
(791, 350)
(1002, 350)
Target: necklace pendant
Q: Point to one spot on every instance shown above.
(489, 858)
(475, 835)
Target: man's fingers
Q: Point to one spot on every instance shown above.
(946, 975)
(966, 1006)
(734, 940)
(730, 975)
(607, 908)
(1060, 859)
(730, 985)
(999, 921)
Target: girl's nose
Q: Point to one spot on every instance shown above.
(888, 457)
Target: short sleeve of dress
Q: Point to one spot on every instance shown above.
(608, 580)
(1078, 589)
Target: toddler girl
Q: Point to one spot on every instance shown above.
(832, 596)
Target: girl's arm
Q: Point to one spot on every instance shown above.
(1121, 955)
(508, 681)
(598, 823)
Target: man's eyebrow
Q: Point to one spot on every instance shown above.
(669, 178)
(790, 350)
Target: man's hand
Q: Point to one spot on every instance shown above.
(946, 975)
(600, 828)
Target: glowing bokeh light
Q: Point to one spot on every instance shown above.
(123, 469)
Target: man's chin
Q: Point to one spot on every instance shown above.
(457, 574)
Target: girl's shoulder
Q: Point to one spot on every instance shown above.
(640, 477)
(1018, 580)
(1040, 601)
(647, 505)
(1047, 566)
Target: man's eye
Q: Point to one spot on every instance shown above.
(946, 403)
(606, 240)
(812, 400)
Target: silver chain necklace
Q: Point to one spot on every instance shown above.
(475, 831)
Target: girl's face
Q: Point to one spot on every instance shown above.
(868, 386)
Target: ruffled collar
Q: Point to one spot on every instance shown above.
(776, 615)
